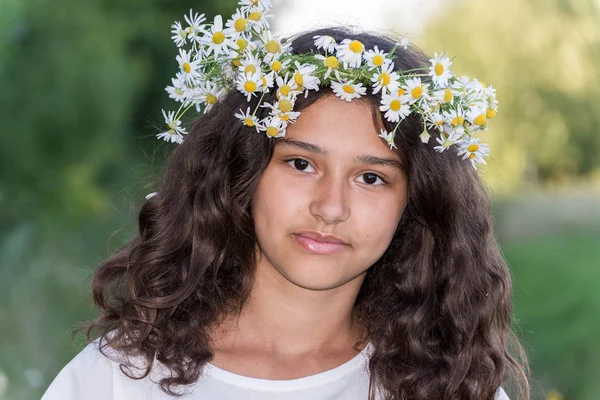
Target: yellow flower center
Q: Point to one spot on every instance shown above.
(331, 62)
(276, 66)
(440, 122)
(355, 46)
(240, 24)
(439, 69)
(473, 148)
(250, 68)
(255, 16)
(472, 156)
(250, 86)
(218, 37)
(211, 98)
(263, 80)
(401, 92)
(179, 91)
(283, 117)
(378, 60)
(298, 78)
(187, 68)
(384, 79)
(285, 90)
(458, 121)
(249, 121)
(285, 105)
(480, 120)
(417, 92)
(237, 62)
(490, 113)
(273, 46)
(272, 131)
(395, 105)
(348, 89)
(242, 44)
(448, 96)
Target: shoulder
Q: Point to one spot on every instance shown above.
(88, 376)
(501, 394)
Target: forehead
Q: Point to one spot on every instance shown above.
(339, 126)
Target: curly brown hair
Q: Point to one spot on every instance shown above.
(436, 306)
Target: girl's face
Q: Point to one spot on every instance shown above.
(331, 179)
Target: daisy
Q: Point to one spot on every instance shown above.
(304, 78)
(325, 42)
(416, 90)
(267, 81)
(195, 28)
(273, 126)
(179, 34)
(385, 80)
(258, 19)
(277, 65)
(331, 62)
(286, 87)
(216, 40)
(263, 5)
(404, 42)
(376, 58)
(436, 120)
(477, 116)
(425, 136)
(188, 68)
(249, 84)
(283, 109)
(175, 132)
(237, 26)
(208, 95)
(395, 109)
(347, 90)
(455, 117)
(388, 137)
(444, 143)
(250, 63)
(273, 47)
(248, 119)
(440, 69)
(350, 52)
(474, 151)
(179, 91)
(443, 95)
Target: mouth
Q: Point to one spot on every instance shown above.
(318, 243)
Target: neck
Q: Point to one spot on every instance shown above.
(283, 319)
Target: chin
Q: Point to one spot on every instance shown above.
(314, 275)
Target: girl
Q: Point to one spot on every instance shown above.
(338, 256)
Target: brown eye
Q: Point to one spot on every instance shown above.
(371, 179)
(300, 164)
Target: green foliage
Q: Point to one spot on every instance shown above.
(557, 305)
(542, 57)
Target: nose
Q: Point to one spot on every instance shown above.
(330, 201)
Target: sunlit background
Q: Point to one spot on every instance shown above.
(81, 89)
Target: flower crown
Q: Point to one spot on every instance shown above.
(245, 55)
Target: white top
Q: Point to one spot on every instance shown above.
(92, 376)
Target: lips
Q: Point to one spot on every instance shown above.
(319, 243)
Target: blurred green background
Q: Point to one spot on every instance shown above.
(81, 89)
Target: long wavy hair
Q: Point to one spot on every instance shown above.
(436, 306)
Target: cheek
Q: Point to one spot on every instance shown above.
(276, 202)
(378, 224)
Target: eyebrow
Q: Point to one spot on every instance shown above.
(363, 159)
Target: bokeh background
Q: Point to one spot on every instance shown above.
(81, 89)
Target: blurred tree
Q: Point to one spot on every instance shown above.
(542, 56)
(82, 83)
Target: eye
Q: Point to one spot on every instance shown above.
(300, 164)
(370, 179)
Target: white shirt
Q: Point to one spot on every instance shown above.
(92, 376)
